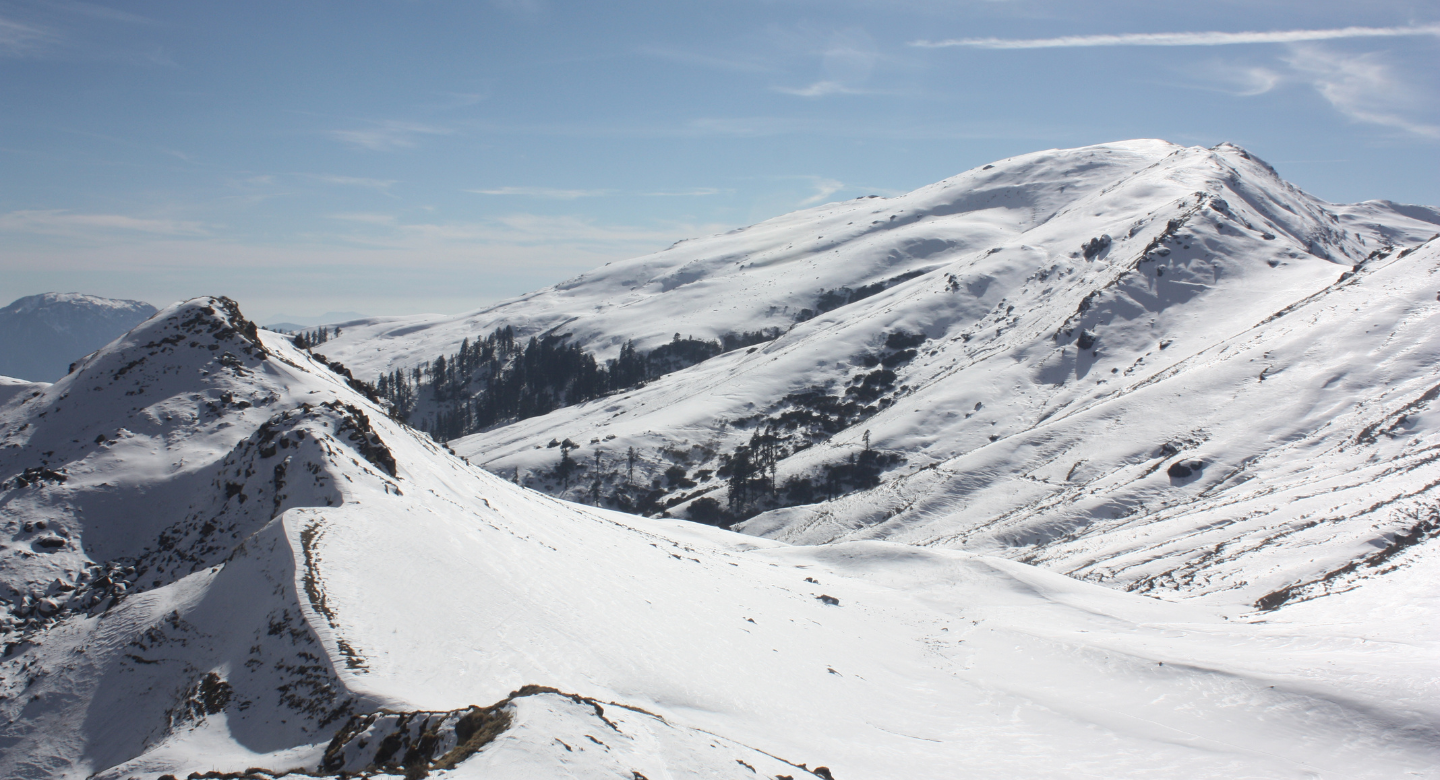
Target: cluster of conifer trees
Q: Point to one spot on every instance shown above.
(813, 416)
(308, 339)
(796, 422)
(830, 300)
(499, 378)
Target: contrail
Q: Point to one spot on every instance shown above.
(1180, 39)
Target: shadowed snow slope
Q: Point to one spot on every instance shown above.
(1155, 367)
(221, 556)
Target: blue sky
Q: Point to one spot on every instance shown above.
(403, 156)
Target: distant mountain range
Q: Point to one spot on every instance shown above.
(41, 335)
(288, 323)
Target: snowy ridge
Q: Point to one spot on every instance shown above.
(11, 388)
(229, 593)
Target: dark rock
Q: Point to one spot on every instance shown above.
(900, 340)
(1181, 470)
(364, 438)
(1095, 246)
(38, 475)
(898, 358)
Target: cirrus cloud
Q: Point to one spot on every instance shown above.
(64, 223)
(1363, 87)
(22, 40)
(1180, 38)
(543, 192)
(388, 136)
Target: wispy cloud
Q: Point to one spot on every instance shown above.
(23, 40)
(563, 194)
(388, 136)
(454, 100)
(543, 192)
(820, 89)
(1181, 38)
(824, 188)
(1362, 87)
(60, 222)
(100, 12)
(847, 60)
(1256, 81)
(368, 218)
(354, 181)
(698, 192)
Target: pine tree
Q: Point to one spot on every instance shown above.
(566, 466)
(595, 485)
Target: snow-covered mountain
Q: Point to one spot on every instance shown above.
(11, 387)
(221, 557)
(1156, 367)
(41, 335)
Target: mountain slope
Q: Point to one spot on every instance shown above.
(1156, 367)
(41, 335)
(1264, 467)
(256, 568)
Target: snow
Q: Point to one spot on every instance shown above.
(245, 554)
(12, 388)
(1017, 441)
(444, 586)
